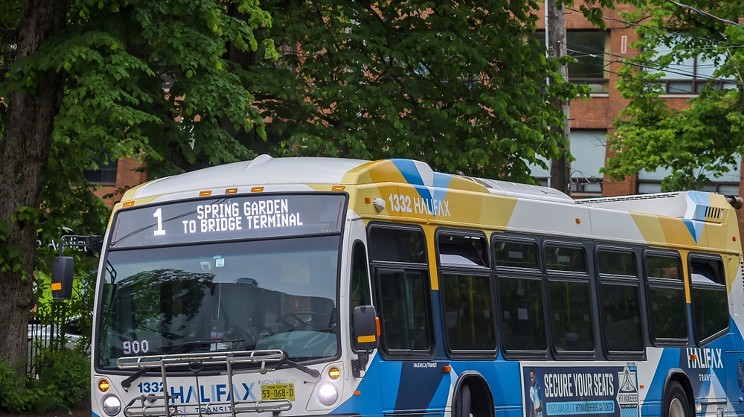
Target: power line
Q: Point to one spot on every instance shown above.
(690, 77)
(654, 28)
(627, 22)
(624, 60)
(704, 13)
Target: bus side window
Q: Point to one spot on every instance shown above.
(519, 281)
(666, 297)
(709, 299)
(619, 295)
(359, 291)
(569, 293)
(402, 290)
(403, 295)
(466, 291)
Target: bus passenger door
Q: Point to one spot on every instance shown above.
(411, 380)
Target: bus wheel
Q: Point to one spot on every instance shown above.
(462, 403)
(677, 404)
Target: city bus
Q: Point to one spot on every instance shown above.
(311, 286)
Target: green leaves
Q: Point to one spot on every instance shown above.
(147, 79)
(456, 84)
(702, 140)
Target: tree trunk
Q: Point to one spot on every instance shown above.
(25, 146)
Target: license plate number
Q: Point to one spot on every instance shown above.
(278, 392)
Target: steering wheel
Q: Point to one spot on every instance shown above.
(305, 319)
(243, 336)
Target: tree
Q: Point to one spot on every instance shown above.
(84, 82)
(460, 85)
(703, 140)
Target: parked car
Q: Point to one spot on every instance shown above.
(41, 335)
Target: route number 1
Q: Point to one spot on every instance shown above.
(159, 215)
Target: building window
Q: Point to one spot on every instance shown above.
(105, 174)
(727, 184)
(590, 49)
(287, 57)
(687, 75)
(588, 149)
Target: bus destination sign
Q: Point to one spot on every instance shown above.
(239, 217)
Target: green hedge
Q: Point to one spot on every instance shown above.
(63, 381)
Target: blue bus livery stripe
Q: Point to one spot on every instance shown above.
(695, 228)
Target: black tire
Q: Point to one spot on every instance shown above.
(676, 404)
(462, 403)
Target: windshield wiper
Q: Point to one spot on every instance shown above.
(312, 372)
(192, 345)
(127, 382)
(183, 347)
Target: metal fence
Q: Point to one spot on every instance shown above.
(48, 328)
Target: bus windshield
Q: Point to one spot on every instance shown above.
(240, 295)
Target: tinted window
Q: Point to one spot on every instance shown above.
(403, 308)
(359, 281)
(516, 254)
(462, 251)
(664, 267)
(522, 314)
(397, 245)
(666, 296)
(468, 312)
(709, 300)
(621, 316)
(668, 318)
(570, 298)
(572, 316)
(616, 263)
(619, 294)
(563, 258)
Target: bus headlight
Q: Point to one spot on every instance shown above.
(111, 405)
(327, 394)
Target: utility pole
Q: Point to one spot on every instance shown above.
(555, 36)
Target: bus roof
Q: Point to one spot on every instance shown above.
(266, 171)
(453, 199)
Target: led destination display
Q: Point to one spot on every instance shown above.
(239, 217)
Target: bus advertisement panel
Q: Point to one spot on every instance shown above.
(581, 390)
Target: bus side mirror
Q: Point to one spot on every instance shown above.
(62, 273)
(363, 336)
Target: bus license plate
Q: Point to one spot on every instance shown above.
(278, 392)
